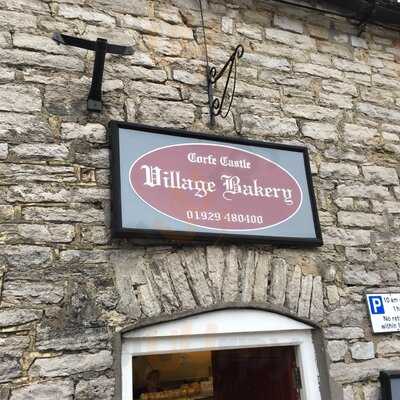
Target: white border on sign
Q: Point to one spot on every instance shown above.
(207, 227)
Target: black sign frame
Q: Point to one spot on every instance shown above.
(118, 231)
(385, 378)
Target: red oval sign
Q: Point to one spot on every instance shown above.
(216, 186)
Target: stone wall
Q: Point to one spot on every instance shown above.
(305, 78)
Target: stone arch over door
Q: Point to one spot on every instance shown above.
(234, 325)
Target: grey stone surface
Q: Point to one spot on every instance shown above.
(101, 388)
(70, 364)
(47, 390)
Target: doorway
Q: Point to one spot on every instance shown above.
(251, 353)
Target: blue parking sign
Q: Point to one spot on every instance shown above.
(376, 305)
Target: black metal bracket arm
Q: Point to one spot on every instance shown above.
(101, 47)
(215, 104)
(366, 15)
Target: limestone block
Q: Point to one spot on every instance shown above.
(372, 392)
(3, 151)
(338, 171)
(24, 173)
(19, 128)
(346, 237)
(388, 347)
(157, 27)
(310, 111)
(35, 193)
(188, 77)
(340, 87)
(378, 112)
(40, 151)
(268, 62)
(96, 158)
(351, 66)
(293, 289)
(363, 191)
(263, 266)
(216, 265)
(337, 349)
(166, 113)
(320, 131)
(17, 293)
(289, 24)
(332, 294)
(139, 7)
(93, 133)
(9, 369)
(317, 301)
(194, 261)
(265, 126)
(335, 49)
(360, 254)
(101, 388)
(20, 98)
(36, 59)
(76, 12)
(347, 315)
(360, 219)
(136, 88)
(318, 70)
(69, 364)
(47, 390)
(336, 332)
(347, 373)
(227, 25)
(6, 213)
(305, 296)
(23, 256)
(162, 45)
(50, 339)
(250, 31)
(12, 20)
(12, 316)
(13, 345)
(357, 275)
(380, 175)
(230, 287)
(291, 39)
(86, 215)
(336, 100)
(278, 281)
(362, 350)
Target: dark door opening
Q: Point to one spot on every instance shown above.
(267, 373)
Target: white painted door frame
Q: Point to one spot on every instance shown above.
(224, 329)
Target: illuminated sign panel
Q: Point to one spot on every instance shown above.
(176, 184)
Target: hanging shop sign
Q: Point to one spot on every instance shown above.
(384, 312)
(176, 184)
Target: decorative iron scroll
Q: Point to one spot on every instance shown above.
(215, 104)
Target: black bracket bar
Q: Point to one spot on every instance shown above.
(216, 105)
(101, 47)
(366, 16)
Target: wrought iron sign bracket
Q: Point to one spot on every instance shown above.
(101, 47)
(215, 104)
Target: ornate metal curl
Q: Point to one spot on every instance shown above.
(215, 104)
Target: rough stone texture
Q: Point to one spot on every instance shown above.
(48, 390)
(306, 79)
(70, 364)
